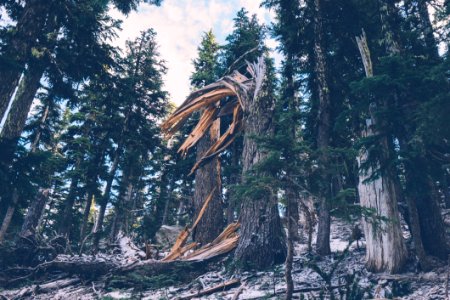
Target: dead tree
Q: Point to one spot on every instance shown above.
(262, 242)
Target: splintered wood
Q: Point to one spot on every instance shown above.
(225, 242)
(221, 98)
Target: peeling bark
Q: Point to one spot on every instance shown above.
(385, 246)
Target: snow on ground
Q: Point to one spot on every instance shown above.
(271, 285)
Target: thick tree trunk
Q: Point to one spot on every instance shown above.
(15, 122)
(323, 132)
(29, 26)
(34, 214)
(207, 180)
(385, 246)
(262, 242)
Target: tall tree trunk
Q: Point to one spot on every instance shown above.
(262, 242)
(385, 246)
(34, 214)
(18, 49)
(323, 132)
(9, 214)
(15, 122)
(207, 180)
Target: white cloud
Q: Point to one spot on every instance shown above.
(179, 26)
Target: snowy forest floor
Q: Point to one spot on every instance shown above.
(350, 280)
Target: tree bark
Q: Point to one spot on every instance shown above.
(262, 242)
(207, 180)
(9, 214)
(385, 246)
(15, 122)
(18, 50)
(34, 214)
(323, 132)
(291, 231)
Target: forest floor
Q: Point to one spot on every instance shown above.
(342, 273)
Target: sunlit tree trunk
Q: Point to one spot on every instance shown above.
(15, 122)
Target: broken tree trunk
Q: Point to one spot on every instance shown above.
(262, 241)
(385, 246)
(207, 179)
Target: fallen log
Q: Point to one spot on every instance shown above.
(221, 287)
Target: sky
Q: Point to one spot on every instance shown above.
(179, 25)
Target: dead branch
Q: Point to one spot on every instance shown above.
(221, 287)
